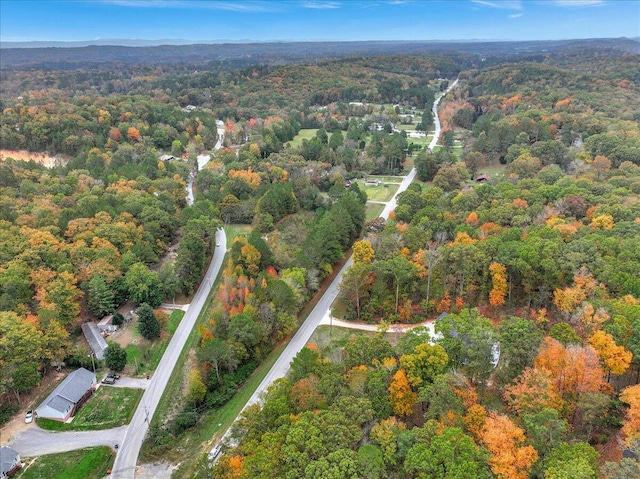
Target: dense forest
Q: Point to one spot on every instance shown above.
(520, 235)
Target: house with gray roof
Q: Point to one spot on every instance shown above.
(70, 394)
(9, 462)
(95, 339)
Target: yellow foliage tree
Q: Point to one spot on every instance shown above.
(616, 358)
(363, 252)
(400, 394)
(631, 427)
(499, 279)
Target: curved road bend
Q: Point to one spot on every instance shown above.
(129, 448)
(321, 310)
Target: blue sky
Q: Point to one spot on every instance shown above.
(267, 20)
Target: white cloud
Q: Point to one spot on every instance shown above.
(579, 3)
(504, 4)
(516, 15)
(246, 6)
(321, 5)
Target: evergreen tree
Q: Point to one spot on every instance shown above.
(115, 357)
(147, 322)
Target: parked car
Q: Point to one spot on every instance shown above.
(28, 418)
(110, 378)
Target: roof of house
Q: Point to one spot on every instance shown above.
(483, 177)
(8, 458)
(95, 339)
(70, 390)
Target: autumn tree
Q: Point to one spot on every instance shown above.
(615, 358)
(424, 364)
(196, 390)
(631, 427)
(499, 279)
(400, 394)
(510, 457)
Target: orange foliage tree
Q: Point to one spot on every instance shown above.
(510, 458)
(499, 279)
(400, 394)
(574, 369)
(631, 427)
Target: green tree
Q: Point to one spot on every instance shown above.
(170, 283)
(371, 462)
(572, 461)
(519, 343)
(99, 296)
(424, 364)
(148, 324)
(143, 285)
(450, 455)
(115, 357)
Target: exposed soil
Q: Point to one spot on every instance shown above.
(42, 158)
(28, 401)
(155, 470)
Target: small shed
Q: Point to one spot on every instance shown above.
(482, 178)
(71, 393)
(9, 462)
(106, 324)
(95, 339)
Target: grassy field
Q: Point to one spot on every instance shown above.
(378, 193)
(90, 463)
(109, 407)
(144, 356)
(234, 230)
(387, 179)
(373, 210)
(306, 134)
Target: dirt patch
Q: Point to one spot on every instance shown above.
(155, 470)
(16, 424)
(42, 158)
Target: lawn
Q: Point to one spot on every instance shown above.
(381, 192)
(372, 211)
(93, 462)
(305, 134)
(144, 356)
(233, 230)
(387, 179)
(109, 407)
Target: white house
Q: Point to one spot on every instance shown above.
(70, 394)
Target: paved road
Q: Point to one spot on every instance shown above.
(127, 457)
(36, 442)
(436, 119)
(321, 311)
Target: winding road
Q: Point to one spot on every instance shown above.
(320, 313)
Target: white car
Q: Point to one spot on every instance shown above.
(28, 418)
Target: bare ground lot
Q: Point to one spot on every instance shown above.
(42, 158)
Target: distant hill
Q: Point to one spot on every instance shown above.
(251, 53)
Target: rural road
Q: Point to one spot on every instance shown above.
(127, 457)
(320, 312)
(35, 441)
